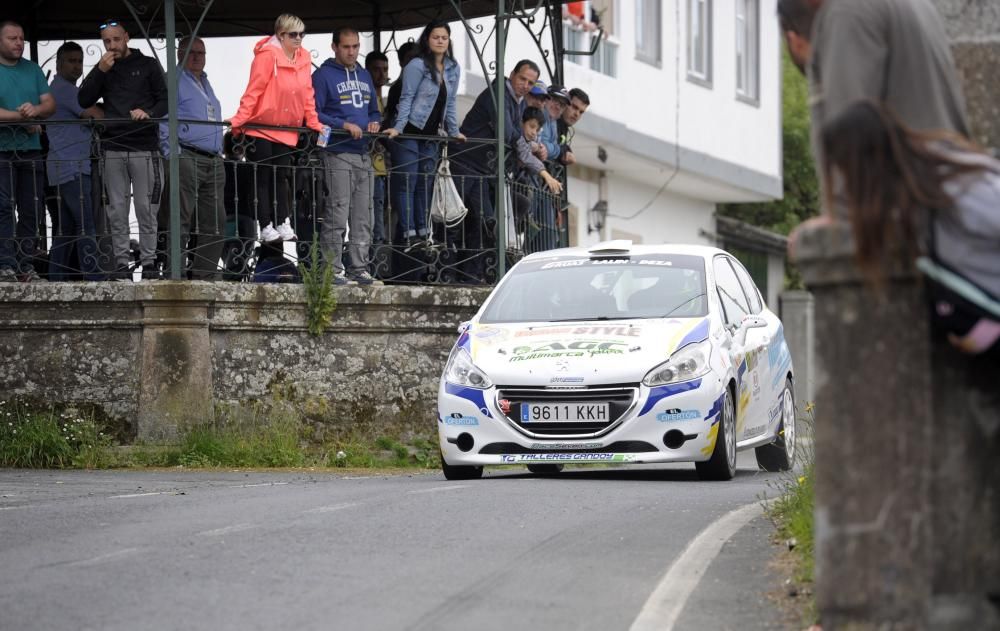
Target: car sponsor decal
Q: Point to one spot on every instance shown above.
(715, 412)
(566, 445)
(713, 435)
(629, 330)
(565, 348)
(567, 457)
(675, 414)
(458, 419)
(470, 394)
(566, 380)
(778, 355)
(658, 393)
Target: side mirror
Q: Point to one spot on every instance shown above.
(748, 322)
(463, 327)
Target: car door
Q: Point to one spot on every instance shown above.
(746, 351)
(760, 341)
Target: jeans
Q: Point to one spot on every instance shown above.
(22, 184)
(76, 225)
(412, 183)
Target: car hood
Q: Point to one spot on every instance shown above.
(578, 353)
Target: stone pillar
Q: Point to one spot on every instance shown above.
(175, 373)
(797, 315)
(875, 440)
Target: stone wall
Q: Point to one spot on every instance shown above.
(156, 356)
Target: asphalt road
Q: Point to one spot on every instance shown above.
(233, 550)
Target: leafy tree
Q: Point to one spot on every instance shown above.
(801, 189)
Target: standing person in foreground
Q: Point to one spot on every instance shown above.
(897, 181)
(202, 173)
(133, 91)
(68, 166)
(347, 103)
(426, 106)
(280, 93)
(24, 97)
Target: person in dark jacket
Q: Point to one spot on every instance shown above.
(345, 99)
(133, 89)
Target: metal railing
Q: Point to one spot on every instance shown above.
(80, 209)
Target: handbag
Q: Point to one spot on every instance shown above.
(447, 206)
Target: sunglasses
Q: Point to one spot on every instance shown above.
(296, 34)
(109, 23)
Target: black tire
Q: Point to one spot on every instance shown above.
(460, 472)
(722, 464)
(780, 455)
(545, 469)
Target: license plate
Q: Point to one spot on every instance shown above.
(565, 413)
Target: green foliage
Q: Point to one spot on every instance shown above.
(384, 451)
(801, 187)
(793, 513)
(317, 277)
(45, 439)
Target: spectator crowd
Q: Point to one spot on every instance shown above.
(309, 155)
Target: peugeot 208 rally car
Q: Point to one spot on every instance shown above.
(619, 354)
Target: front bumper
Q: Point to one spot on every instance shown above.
(472, 430)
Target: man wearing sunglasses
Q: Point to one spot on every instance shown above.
(134, 91)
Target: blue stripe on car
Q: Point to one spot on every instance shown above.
(471, 394)
(658, 393)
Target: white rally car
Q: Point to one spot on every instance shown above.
(619, 354)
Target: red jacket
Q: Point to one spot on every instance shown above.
(280, 93)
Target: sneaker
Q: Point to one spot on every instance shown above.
(150, 273)
(7, 275)
(363, 278)
(269, 234)
(122, 274)
(342, 279)
(31, 276)
(286, 232)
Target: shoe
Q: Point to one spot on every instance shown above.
(414, 243)
(31, 276)
(286, 232)
(269, 234)
(342, 279)
(122, 274)
(150, 273)
(363, 278)
(7, 275)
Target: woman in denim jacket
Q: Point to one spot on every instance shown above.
(426, 105)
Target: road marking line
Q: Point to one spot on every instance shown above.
(118, 497)
(331, 508)
(14, 507)
(441, 488)
(225, 530)
(667, 601)
(111, 556)
(250, 486)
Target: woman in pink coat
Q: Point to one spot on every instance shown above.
(280, 93)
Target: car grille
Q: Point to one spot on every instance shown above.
(620, 398)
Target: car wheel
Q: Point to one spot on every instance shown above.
(722, 464)
(545, 469)
(780, 455)
(460, 472)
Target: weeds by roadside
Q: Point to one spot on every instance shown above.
(245, 438)
(790, 509)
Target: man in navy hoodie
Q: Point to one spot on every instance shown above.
(345, 100)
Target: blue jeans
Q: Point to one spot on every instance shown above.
(378, 208)
(412, 183)
(76, 225)
(22, 183)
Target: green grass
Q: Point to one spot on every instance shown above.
(792, 513)
(245, 438)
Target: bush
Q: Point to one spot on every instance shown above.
(45, 439)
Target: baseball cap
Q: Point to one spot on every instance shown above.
(559, 92)
(539, 89)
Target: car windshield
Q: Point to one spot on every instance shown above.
(565, 289)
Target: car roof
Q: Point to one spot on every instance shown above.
(624, 247)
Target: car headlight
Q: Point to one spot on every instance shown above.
(460, 370)
(687, 363)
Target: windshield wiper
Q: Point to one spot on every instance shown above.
(682, 304)
(586, 319)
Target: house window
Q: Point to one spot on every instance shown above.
(747, 50)
(699, 36)
(647, 31)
